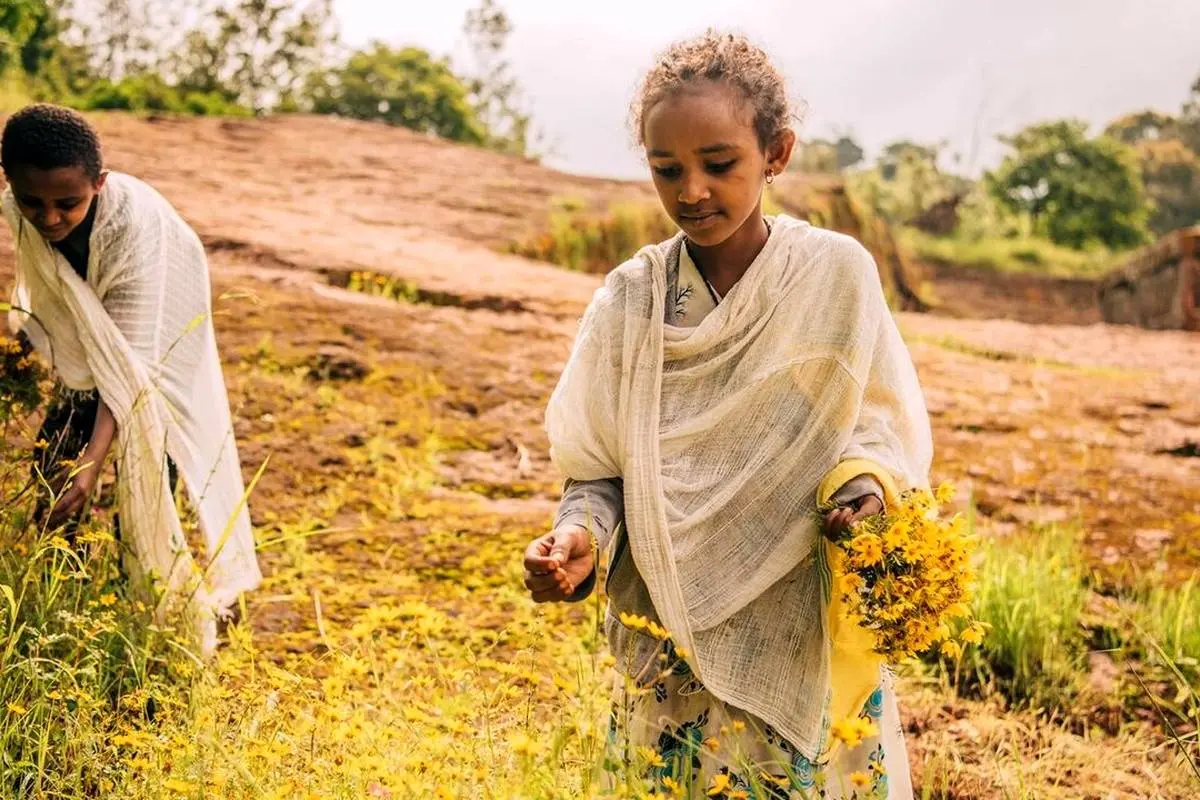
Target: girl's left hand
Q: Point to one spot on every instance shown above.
(841, 519)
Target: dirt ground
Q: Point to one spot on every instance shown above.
(1047, 423)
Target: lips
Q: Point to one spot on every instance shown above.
(699, 219)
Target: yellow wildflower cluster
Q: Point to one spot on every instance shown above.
(22, 378)
(386, 286)
(852, 732)
(906, 577)
(649, 627)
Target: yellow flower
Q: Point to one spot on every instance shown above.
(849, 583)
(683, 652)
(973, 634)
(712, 743)
(652, 757)
(17, 710)
(859, 779)
(951, 649)
(522, 745)
(671, 785)
(657, 632)
(739, 726)
(866, 728)
(634, 621)
(178, 786)
(108, 599)
(958, 611)
(720, 784)
(851, 732)
(867, 550)
(846, 732)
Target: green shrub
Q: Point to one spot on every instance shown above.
(590, 242)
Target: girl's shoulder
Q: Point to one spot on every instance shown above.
(636, 274)
(839, 256)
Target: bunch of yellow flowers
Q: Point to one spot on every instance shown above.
(906, 576)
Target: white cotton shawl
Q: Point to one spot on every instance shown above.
(139, 330)
(722, 434)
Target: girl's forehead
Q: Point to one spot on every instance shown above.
(697, 118)
(52, 184)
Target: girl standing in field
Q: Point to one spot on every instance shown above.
(112, 289)
(724, 386)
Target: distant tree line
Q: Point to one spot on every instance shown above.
(1138, 178)
(246, 57)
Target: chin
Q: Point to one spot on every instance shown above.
(707, 236)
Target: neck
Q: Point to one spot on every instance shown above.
(724, 264)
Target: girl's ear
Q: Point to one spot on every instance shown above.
(100, 181)
(779, 153)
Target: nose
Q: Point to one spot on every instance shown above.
(694, 189)
(50, 218)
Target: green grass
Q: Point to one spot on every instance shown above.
(1021, 255)
(1048, 615)
(1032, 592)
(81, 658)
(585, 241)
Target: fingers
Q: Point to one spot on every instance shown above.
(537, 555)
(536, 582)
(553, 567)
(837, 521)
(68, 505)
(869, 507)
(550, 596)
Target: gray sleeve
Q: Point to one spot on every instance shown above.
(856, 489)
(597, 505)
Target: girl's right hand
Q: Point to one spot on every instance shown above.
(558, 563)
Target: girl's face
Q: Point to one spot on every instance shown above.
(706, 162)
(55, 201)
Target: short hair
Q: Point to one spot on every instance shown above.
(46, 136)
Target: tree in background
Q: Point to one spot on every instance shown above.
(32, 48)
(407, 87)
(1143, 126)
(19, 19)
(1077, 191)
(1170, 169)
(906, 181)
(822, 156)
(1189, 119)
(1171, 173)
(255, 53)
(494, 91)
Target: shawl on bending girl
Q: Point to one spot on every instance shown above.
(724, 433)
(139, 330)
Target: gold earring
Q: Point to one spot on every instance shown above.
(770, 176)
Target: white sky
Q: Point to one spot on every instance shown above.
(960, 70)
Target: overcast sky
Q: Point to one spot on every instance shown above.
(959, 70)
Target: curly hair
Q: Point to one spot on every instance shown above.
(47, 137)
(718, 58)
